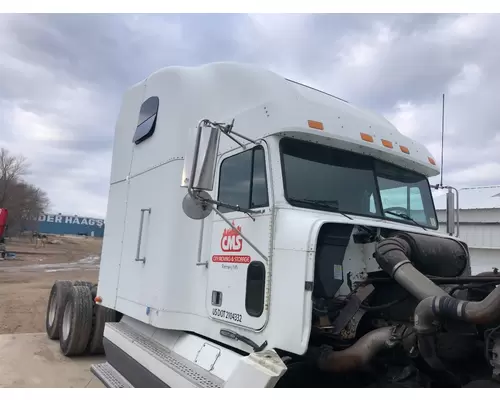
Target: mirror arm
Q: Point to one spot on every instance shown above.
(243, 137)
(228, 129)
(235, 208)
(233, 139)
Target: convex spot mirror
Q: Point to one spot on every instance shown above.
(195, 207)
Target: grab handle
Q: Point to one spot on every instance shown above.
(141, 224)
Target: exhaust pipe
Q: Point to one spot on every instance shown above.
(359, 355)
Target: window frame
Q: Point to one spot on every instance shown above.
(252, 167)
(378, 204)
(408, 189)
(139, 139)
(377, 196)
(256, 313)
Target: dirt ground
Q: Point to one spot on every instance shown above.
(25, 281)
(32, 360)
(56, 249)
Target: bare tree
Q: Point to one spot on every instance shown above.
(24, 201)
(12, 169)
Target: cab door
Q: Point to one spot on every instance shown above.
(239, 273)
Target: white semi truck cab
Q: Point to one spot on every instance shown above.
(262, 233)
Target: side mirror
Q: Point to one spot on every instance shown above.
(199, 166)
(450, 212)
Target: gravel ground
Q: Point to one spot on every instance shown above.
(25, 282)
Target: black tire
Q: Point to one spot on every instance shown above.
(76, 324)
(101, 316)
(83, 283)
(55, 308)
(93, 291)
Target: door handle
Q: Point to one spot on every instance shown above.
(141, 224)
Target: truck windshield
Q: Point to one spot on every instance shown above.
(329, 179)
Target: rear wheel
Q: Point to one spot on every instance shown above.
(55, 308)
(76, 324)
(83, 283)
(93, 291)
(101, 316)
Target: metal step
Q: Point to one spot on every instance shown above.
(185, 368)
(109, 376)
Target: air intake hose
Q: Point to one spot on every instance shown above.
(393, 256)
(482, 312)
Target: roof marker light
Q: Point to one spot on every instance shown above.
(315, 125)
(387, 143)
(366, 137)
(405, 149)
(431, 160)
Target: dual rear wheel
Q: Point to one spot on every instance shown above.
(75, 319)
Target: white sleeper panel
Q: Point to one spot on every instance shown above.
(123, 146)
(112, 243)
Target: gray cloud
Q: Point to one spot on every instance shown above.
(63, 77)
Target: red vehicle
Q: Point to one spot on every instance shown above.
(3, 221)
(3, 225)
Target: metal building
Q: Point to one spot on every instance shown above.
(58, 224)
(479, 223)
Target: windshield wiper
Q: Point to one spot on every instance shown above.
(406, 217)
(330, 204)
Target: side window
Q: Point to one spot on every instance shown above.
(256, 282)
(243, 180)
(147, 120)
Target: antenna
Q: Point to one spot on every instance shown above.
(442, 142)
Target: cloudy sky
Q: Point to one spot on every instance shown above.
(62, 77)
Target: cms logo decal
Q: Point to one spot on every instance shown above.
(231, 240)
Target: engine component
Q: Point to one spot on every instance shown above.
(358, 355)
(492, 350)
(392, 254)
(431, 308)
(495, 360)
(352, 306)
(483, 383)
(480, 290)
(476, 312)
(437, 256)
